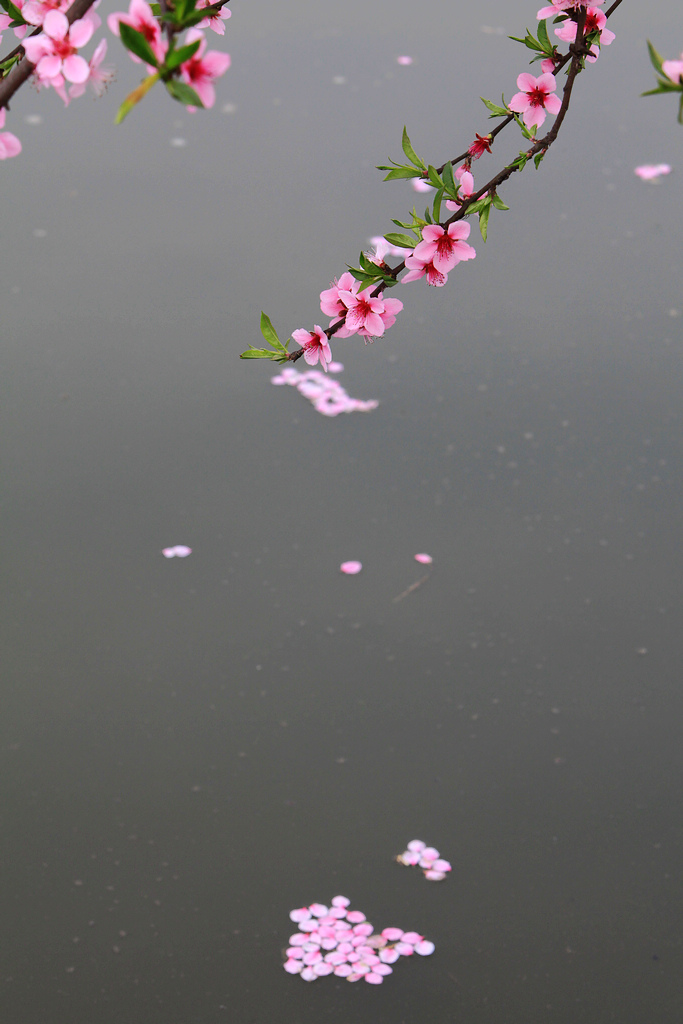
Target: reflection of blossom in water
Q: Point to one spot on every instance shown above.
(339, 941)
(325, 393)
(426, 857)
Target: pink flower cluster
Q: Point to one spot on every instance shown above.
(440, 250)
(54, 51)
(536, 96)
(336, 940)
(325, 393)
(362, 314)
(201, 70)
(426, 857)
(566, 30)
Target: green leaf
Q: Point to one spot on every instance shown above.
(655, 59)
(137, 44)
(496, 111)
(177, 57)
(436, 208)
(135, 96)
(269, 333)
(680, 109)
(410, 152)
(400, 172)
(261, 353)
(448, 179)
(484, 221)
(404, 241)
(498, 202)
(543, 37)
(14, 13)
(156, 9)
(434, 178)
(538, 157)
(183, 93)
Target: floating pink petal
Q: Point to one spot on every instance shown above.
(392, 934)
(425, 948)
(652, 172)
(383, 969)
(374, 979)
(318, 909)
(423, 560)
(308, 974)
(434, 876)
(302, 914)
(351, 569)
(416, 844)
(441, 865)
(343, 970)
(404, 60)
(389, 956)
(412, 937)
(321, 969)
(410, 859)
(404, 948)
(430, 853)
(293, 966)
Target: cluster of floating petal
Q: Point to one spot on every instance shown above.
(652, 172)
(426, 857)
(336, 940)
(326, 394)
(177, 551)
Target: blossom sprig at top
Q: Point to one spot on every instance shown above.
(335, 940)
(431, 246)
(418, 854)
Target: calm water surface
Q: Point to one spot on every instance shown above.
(190, 748)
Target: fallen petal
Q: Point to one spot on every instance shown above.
(424, 559)
(351, 568)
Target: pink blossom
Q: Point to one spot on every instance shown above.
(315, 345)
(595, 21)
(535, 97)
(54, 51)
(216, 22)
(422, 185)
(351, 569)
(140, 18)
(444, 248)
(200, 70)
(560, 6)
(35, 11)
(369, 316)
(418, 268)
(652, 172)
(673, 69)
(330, 303)
(9, 143)
(99, 77)
(383, 248)
(464, 176)
(482, 144)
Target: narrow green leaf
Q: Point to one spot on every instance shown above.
(404, 241)
(447, 176)
(410, 152)
(498, 203)
(183, 93)
(135, 96)
(137, 44)
(434, 179)
(496, 111)
(537, 159)
(484, 221)
(436, 208)
(680, 110)
(269, 333)
(655, 59)
(543, 37)
(178, 57)
(257, 353)
(400, 172)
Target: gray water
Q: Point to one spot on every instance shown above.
(191, 748)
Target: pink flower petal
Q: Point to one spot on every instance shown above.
(389, 956)
(392, 934)
(424, 559)
(351, 569)
(434, 876)
(293, 966)
(425, 948)
(416, 844)
(404, 60)
(412, 937)
(374, 979)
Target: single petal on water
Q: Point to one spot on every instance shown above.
(404, 59)
(424, 559)
(425, 948)
(351, 569)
